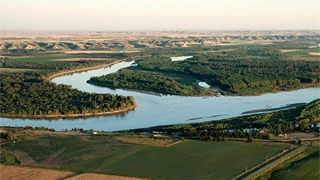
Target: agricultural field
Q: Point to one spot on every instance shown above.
(309, 54)
(301, 166)
(55, 150)
(141, 139)
(18, 173)
(185, 160)
(100, 177)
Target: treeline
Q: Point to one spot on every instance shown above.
(54, 66)
(244, 71)
(149, 81)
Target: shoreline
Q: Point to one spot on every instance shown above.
(83, 69)
(69, 116)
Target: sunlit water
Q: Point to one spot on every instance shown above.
(155, 110)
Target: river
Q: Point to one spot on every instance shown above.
(155, 110)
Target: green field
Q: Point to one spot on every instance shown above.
(304, 55)
(302, 166)
(186, 160)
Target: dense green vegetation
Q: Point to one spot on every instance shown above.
(179, 161)
(240, 70)
(30, 94)
(146, 80)
(8, 158)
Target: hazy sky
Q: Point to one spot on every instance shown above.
(158, 14)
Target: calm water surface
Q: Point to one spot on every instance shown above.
(154, 110)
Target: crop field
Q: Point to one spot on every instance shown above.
(185, 160)
(310, 54)
(57, 150)
(18, 173)
(302, 166)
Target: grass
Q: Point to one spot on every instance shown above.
(301, 166)
(8, 158)
(186, 160)
(304, 55)
(75, 148)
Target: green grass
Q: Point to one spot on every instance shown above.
(8, 158)
(186, 160)
(304, 55)
(302, 166)
(41, 58)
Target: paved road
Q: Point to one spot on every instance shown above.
(277, 161)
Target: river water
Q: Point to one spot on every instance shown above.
(154, 110)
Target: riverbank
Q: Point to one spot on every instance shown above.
(70, 116)
(83, 69)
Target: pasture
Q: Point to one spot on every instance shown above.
(185, 160)
(309, 54)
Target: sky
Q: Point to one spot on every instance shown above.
(125, 15)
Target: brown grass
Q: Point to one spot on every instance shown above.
(314, 53)
(289, 50)
(88, 176)
(18, 173)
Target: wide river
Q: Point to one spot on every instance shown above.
(155, 110)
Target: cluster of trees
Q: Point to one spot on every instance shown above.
(53, 66)
(214, 135)
(244, 71)
(145, 80)
(28, 94)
